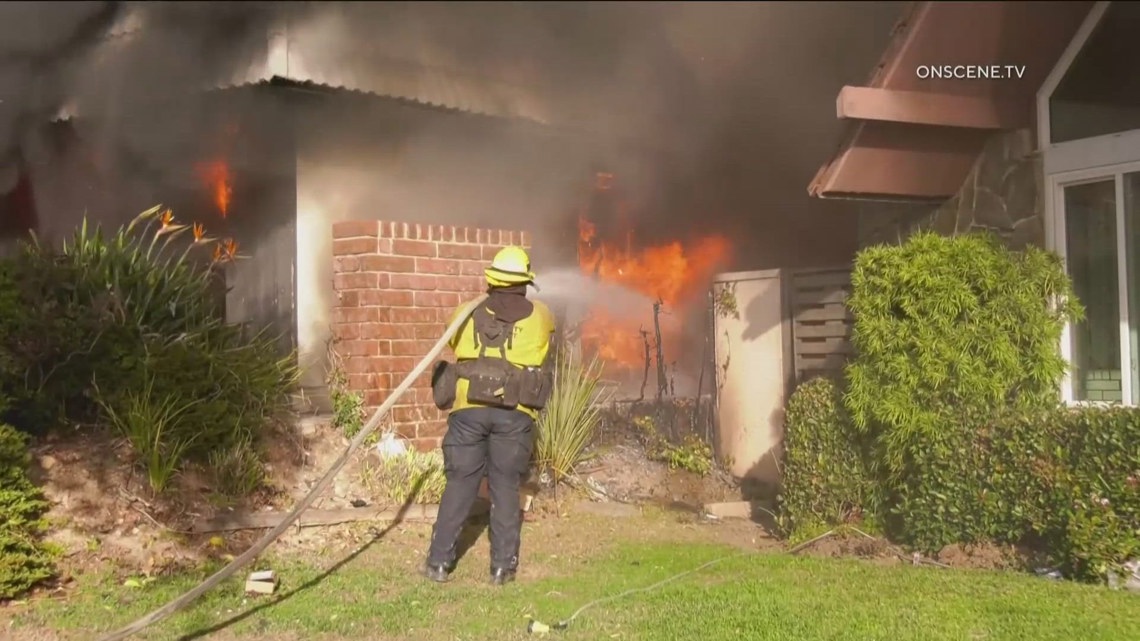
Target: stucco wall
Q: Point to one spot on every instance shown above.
(1004, 193)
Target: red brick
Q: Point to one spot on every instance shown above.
(414, 281)
(427, 444)
(357, 315)
(390, 331)
(386, 229)
(436, 266)
(348, 246)
(436, 299)
(358, 365)
(413, 348)
(384, 246)
(424, 380)
(427, 331)
(358, 348)
(375, 398)
(451, 250)
(348, 299)
(342, 264)
(369, 381)
(385, 298)
(408, 413)
(401, 264)
(472, 267)
(347, 331)
(373, 331)
(489, 252)
(412, 315)
(406, 348)
(424, 248)
(450, 283)
(447, 234)
(355, 281)
(356, 229)
(398, 365)
(432, 429)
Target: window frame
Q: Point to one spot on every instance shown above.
(1082, 161)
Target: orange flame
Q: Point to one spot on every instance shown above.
(675, 273)
(219, 179)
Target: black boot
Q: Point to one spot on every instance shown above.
(501, 576)
(437, 573)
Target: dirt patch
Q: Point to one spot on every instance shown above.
(623, 472)
(856, 546)
(621, 467)
(984, 557)
(105, 517)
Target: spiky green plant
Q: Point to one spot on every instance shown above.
(153, 428)
(411, 477)
(572, 416)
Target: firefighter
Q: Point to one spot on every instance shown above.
(493, 393)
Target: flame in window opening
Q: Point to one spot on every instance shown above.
(218, 178)
(677, 273)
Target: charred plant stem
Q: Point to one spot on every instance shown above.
(662, 383)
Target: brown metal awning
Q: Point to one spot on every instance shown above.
(910, 138)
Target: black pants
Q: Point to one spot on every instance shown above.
(497, 442)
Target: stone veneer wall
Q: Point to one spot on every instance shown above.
(1003, 193)
(397, 285)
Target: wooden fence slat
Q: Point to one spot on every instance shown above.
(818, 310)
(829, 346)
(834, 361)
(826, 313)
(830, 296)
(829, 329)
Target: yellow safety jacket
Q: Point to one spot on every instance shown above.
(528, 347)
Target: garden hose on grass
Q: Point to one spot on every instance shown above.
(270, 536)
(538, 627)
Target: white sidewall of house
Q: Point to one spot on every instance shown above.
(1071, 163)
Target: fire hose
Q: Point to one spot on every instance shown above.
(271, 536)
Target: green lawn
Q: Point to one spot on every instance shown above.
(770, 595)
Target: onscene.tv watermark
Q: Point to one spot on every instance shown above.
(970, 72)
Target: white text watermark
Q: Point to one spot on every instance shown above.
(970, 72)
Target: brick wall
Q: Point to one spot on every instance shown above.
(397, 285)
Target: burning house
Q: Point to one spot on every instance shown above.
(283, 138)
(368, 159)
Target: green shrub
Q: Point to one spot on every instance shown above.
(416, 477)
(692, 455)
(948, 332)
(1077, 484)
(825, 481)
(571, 417)
(25, 561)
(123, 325)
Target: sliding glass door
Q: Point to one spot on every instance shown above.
(1098, 233)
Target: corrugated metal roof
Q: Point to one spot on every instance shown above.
(303, 60)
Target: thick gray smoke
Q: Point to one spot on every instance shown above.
(737, 96)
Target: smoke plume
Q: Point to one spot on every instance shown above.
(728, 107)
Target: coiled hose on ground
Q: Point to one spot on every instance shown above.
(270, 536)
